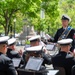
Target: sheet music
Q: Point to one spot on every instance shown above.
(34, 63)
(26, 46)
(52, 72)
(16, 61)
(50, 46)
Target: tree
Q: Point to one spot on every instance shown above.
(30, 9)
(47, 24)
(8, 8)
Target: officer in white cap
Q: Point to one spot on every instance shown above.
(36, 51)
(65, 32)
(6, 65)
(64, 58)
(11, 52)
(35, 41)
(66, 17)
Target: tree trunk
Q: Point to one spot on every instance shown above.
(6, 29)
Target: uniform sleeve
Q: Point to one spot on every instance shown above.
(72, 33)
(56, 36)
(55, 39)
(22, 60)
(18, 55)
(47, 59)
(23, 57)
(10, 68)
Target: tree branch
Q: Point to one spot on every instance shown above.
(2, 24)
(5, 14)
(12, 12)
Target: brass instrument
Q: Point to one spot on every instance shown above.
(32, 54)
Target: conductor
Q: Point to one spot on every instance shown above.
(65, 31)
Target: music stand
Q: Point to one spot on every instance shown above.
(34, 63)
(50, 47)
(16, 62)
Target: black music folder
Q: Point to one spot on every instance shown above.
(34, 63)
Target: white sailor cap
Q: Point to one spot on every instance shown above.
(4, 39)
(34, 49)
(35, 38)
(65, 41)
(66, 17)
(11, 41)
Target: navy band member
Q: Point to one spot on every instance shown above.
(35, 51)
(6, 65)
(11, 52)
(64, 58)
(35, 41)
(62, 33)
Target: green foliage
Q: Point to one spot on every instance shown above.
(1, 30)
(27, 42)
(19, 22)
(29, 9)
(9, 8)
(51, 14)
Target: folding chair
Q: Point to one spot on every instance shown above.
(61, 70)
(23, 72)
(29, 72)
(73, 70)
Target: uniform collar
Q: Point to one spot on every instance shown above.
(65, 28)
(62, 52)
